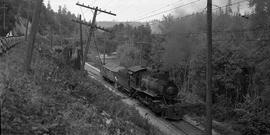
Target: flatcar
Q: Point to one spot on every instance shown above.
(157, 93)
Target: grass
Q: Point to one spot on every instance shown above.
(55, 99)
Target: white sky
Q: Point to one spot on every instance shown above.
(135, 10)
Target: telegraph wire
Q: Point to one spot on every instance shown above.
(217, 8)
(203, 10)
(109, 3)
(167, 10)
(94, 2)
(83, 13)
(231, 4)
(160, 8)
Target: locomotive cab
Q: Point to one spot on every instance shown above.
(136, 74)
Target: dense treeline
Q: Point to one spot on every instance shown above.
(57, 23)
(131, 43)
(241, 61)
(13, 9)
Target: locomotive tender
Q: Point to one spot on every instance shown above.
(155, 91)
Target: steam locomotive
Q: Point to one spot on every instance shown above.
(153, 89)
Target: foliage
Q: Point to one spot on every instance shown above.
(128, 55)
(236, 47)
(254, 117)
(51, 22)
(55, 99)
(240, 61)
(133, 44)
(12, 10)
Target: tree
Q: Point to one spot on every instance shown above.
(59, 10)
(228, 7)
(49, 7)
(10, 12)
(260, 21)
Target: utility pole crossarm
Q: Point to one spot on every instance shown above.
(88, 24)
(93, 8)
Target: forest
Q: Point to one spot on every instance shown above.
(241, 60)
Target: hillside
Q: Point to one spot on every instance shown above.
(55, 99)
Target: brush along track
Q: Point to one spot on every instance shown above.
(168, 127)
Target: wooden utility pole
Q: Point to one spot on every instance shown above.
(60, 32)
(51, 37)
(27, 24)
(4, 16)
(32, 35)
(81, 43)
(91, 32)
(92, 27)
(4, 20)
(104, 50)
(209, 70)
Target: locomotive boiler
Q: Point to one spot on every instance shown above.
(161, 87)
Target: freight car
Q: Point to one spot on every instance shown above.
(7, 43)
(155, 91)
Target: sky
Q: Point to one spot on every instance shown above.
(140, 10)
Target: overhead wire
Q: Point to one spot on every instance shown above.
(82, 13)
(168, 10)
(109, 3)
(160, 8)
(94, 2)
(238, 2)
(204, 10)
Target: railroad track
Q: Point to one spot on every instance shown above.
(187, 128)
(180, 127)
(6, 43)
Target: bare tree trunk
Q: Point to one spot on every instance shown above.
(184, 78)
(51, 38)
(26, 31)
(189, 69)
(32, 35)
